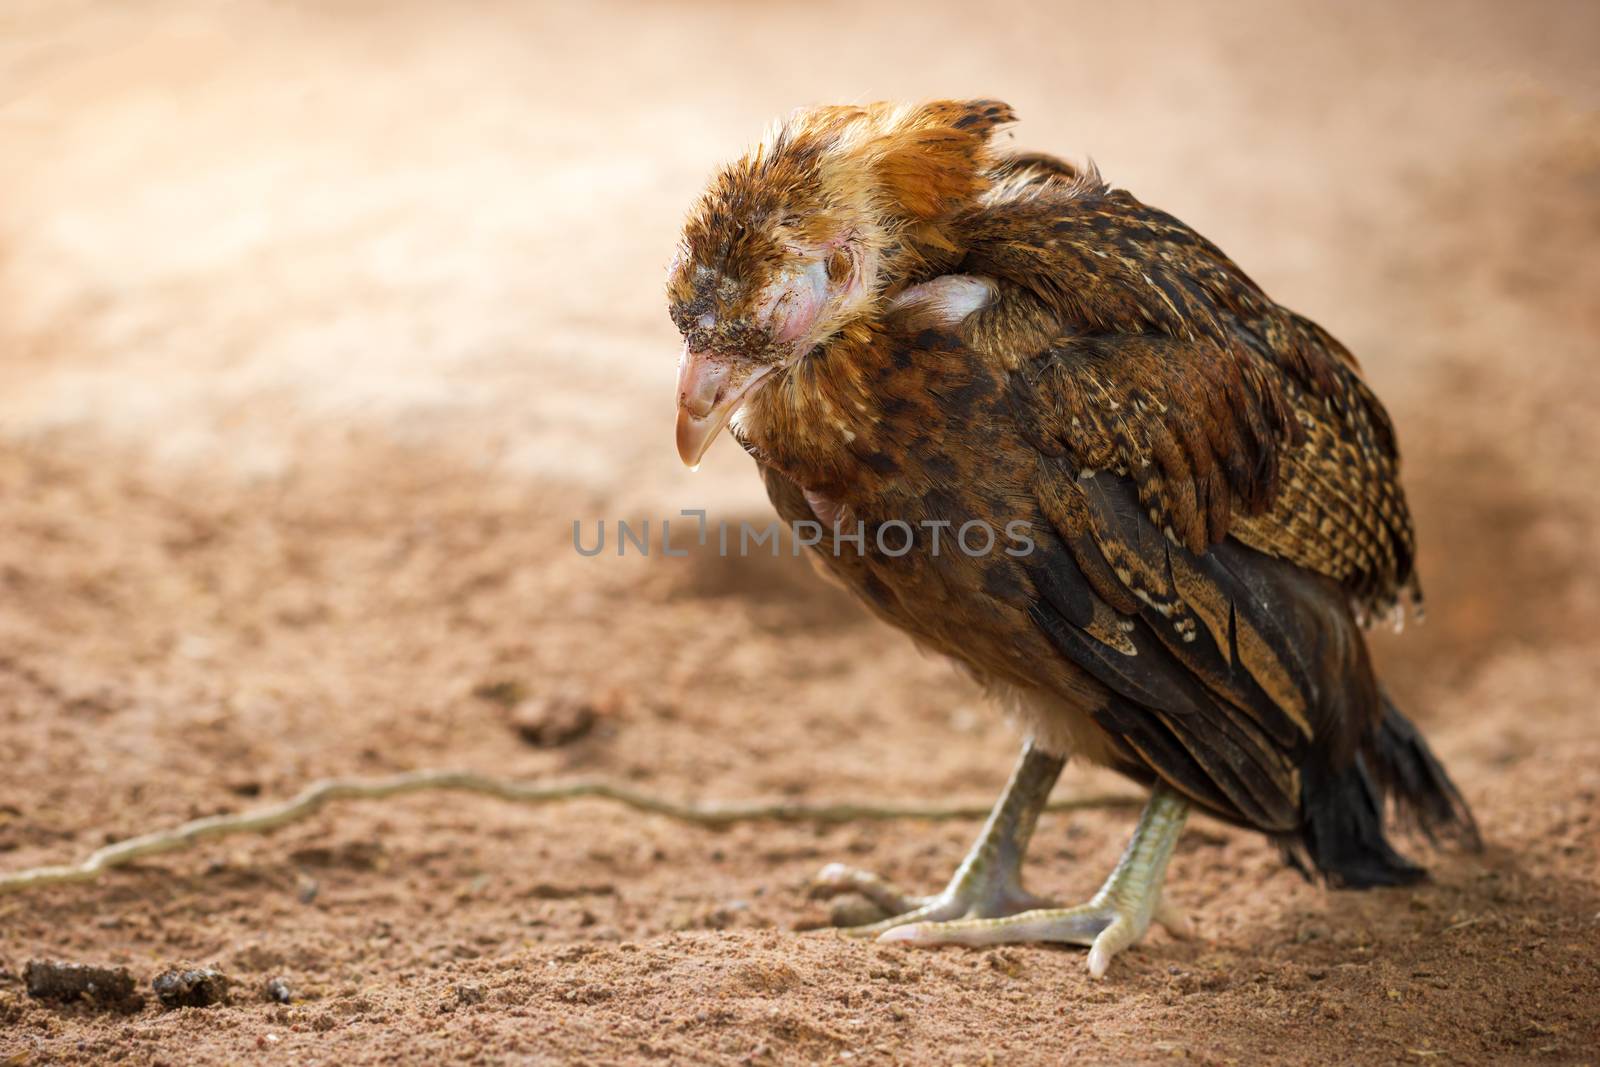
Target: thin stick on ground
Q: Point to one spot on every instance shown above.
(311, 799)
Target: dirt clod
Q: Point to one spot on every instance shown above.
(110, 987)
(560, 719)
(506, 692)
(852, 910)
(200, 987)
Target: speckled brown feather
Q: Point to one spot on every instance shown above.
(1168, 365)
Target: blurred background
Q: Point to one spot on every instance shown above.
(321, 323)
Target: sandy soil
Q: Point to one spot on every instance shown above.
(319, 326)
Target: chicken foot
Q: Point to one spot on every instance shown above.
(988, 884)
(1116, 917)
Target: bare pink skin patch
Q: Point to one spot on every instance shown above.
(795, 302)
(792, 303)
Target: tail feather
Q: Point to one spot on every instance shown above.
(1342, 837)
(1425, 799)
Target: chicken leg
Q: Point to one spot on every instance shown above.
(988, 884)
(1116, 917)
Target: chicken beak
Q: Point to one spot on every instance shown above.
(710, 389)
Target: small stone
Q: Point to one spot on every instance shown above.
(277, 990)
(201, 987)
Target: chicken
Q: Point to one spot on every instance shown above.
(1167, 505)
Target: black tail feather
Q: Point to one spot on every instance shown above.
(1342, 837)
(1425, 799)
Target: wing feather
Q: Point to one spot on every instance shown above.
(1163, 362)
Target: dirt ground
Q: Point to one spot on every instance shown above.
(321, 324)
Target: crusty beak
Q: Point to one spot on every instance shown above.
(710, 390)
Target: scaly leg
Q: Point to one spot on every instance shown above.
(989, 881)
(1115, 918)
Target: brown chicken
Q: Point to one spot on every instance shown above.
(1060, 437)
